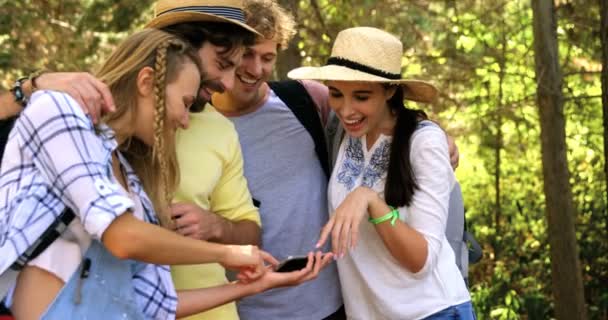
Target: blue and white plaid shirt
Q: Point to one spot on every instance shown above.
(56, 157)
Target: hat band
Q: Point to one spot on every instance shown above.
(361, 67)
(224, 12)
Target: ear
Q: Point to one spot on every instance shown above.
(145, 82)
(390, 92)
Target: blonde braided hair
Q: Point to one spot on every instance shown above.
(168, 167)
(156, 166)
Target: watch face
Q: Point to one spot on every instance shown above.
(18, 93)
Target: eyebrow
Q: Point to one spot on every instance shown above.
(356, 92)
(225, 60)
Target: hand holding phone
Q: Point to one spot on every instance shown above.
(292, 263)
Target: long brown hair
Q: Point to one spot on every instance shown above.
(400, 178)
(156, 166)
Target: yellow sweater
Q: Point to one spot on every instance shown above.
(211, 166)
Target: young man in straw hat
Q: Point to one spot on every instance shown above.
(284, 172)
(212, 202)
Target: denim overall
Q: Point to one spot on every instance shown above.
(106, 292)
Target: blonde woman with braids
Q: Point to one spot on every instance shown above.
(118, 178)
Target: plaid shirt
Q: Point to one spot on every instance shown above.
(56, 157)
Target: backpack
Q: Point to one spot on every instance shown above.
(6, 125)
(466, 248)
(298, 100)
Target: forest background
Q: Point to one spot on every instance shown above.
(481, 54)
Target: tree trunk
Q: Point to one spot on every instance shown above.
(565, 267)
(604, 41)
(290, 58)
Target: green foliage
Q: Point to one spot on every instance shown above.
(63, 35)
(480, 55)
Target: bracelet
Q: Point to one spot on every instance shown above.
(18, 93)
(392, 216)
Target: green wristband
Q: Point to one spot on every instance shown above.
(392, 216)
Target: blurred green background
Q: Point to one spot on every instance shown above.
(481, 56)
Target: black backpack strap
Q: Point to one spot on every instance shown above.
(296, 97)
(44, 241)
(6, 125)
(475, 250)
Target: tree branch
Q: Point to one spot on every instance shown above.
(315, 6)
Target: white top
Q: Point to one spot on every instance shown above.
(374, 284)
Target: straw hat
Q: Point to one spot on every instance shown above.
(367, 54)
(169, 12)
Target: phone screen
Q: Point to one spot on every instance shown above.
(292, 264)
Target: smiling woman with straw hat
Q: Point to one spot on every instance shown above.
(393, 170)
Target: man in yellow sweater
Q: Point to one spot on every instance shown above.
(212, 202)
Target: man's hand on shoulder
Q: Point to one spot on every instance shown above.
(453, 150)
(91, 94)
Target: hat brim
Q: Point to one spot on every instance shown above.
(172, 18)
(417, 90)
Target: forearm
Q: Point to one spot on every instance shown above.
(130, 238)
(406, 245)
(191, 302)
(239, 232)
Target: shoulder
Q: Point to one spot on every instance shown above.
(428, 135)
(208, 128)
(314, 87)
(50, 105)
(210, 122)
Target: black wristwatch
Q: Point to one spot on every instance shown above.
(18, 93)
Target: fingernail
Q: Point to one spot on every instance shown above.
(317, 245)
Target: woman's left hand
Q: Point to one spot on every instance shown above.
(344, 224)
(272, 279)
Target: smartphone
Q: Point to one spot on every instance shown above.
(292, 263)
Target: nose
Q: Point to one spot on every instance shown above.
(339, 105)
(251, 64)
(227, 80)
(184, 122)
(255, 67)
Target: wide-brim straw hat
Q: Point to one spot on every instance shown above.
(367, 54)
(170, 12)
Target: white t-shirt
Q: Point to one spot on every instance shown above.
(64, 255)
(374, 284)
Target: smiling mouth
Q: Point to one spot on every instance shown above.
(248, 81)
(353, 122)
